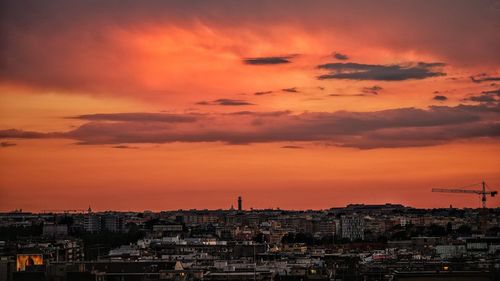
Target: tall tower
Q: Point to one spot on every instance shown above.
(240, 204)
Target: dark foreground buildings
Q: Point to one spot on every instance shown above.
(358, 242)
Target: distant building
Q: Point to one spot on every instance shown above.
(57, 230)
(352, 227)
(160, 230)
(327, 227)
(112, 223)
(91, 222)
(240, 203)
(451, 251)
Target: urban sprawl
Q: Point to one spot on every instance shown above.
(356, 242)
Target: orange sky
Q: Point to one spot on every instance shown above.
(187, 105)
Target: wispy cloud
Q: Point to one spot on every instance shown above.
(365, 91)
(340, 56)
(483, 77)
(263, 93)
(394, 72)
(225, 102)
(374, 90)
(125, 147)
(491, 98)
(291, 90)
(347, 95)
(7, 144)
(268, 60)
(139, 117)
(292, 147)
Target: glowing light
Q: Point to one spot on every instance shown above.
(24, 261)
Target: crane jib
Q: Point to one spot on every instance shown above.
(483, 192)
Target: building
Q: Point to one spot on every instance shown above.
(352, 227)
(91, 222)
(112, 223)
(327, 227)
(55, 230)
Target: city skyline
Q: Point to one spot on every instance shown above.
(188, 105)
(356, 242)
(237, 205)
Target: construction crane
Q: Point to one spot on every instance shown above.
(482, 192)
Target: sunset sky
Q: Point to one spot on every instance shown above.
(160, 105)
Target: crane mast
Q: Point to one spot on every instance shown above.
(482, 192)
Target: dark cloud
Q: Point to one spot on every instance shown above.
(347, 95)
(365, 91)
(268, 60)
(225, 102)
(292, 147)
(232, 102)
(125, 147)
(491, 98)
(263, 93)
(440, 98)
(483, 77)
(395, 72)
(20, 134)
(140, 117)
(372, 90)
(340, 56)
(493, 92)
(483, 98)
(290, 90)
(7, 144)
(426, 136)
(261, 114)
(386, 128)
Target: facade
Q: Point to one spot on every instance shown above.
(112, 223)
(353, 227)
(92, 223)
(52, 229)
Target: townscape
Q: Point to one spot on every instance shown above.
(262, 140)
(356, 242)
